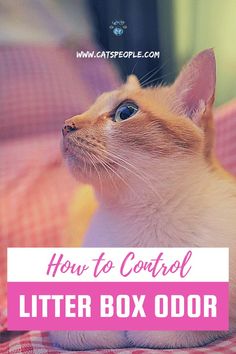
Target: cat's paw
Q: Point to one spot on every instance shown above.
(84, 340)
(173, 339)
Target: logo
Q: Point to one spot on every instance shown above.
(118, 288)
(118, 27)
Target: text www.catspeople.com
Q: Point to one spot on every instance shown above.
(116, 54)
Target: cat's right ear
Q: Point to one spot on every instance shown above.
(195, 85)
(132, 82)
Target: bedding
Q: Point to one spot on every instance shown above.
(39, 343)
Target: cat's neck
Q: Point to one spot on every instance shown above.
(165, 186)
(172, 211)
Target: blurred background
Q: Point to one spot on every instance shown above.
(43, 83)
(176, 28)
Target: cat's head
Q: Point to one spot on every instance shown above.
(135, 131)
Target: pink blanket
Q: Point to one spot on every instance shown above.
(39, 343)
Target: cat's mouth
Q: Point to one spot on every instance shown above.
(84, 158)
(80, 153)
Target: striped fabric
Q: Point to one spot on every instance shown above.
(39, 343)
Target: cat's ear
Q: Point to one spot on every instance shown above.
(195, 85)
(132, 82)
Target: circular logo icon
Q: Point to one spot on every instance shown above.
(118, 27)
(118, 31)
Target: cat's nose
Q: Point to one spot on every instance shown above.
(69, 127)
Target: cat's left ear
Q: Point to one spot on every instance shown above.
(132, 82)
(195, 85)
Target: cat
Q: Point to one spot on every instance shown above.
(149, 155)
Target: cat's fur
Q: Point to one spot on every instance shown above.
(157, 182)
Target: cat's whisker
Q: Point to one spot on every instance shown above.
(94, 165)
(148, 73)
(84, 165)
(158, 78)
(144, 82)
(105, 166)
(134, 67)
(108, 172)
(138, 175)
(117, 174)
(122, 160)
(126, 162)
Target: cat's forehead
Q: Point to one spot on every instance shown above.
(109, 100)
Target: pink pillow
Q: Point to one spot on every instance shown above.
(225, 120)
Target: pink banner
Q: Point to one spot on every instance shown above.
(118, 306)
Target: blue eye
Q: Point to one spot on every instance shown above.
(125, 111)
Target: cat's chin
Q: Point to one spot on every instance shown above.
(87, 174)
(77, 168)
(92, 174)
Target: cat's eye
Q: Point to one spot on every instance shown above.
(125, 111)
